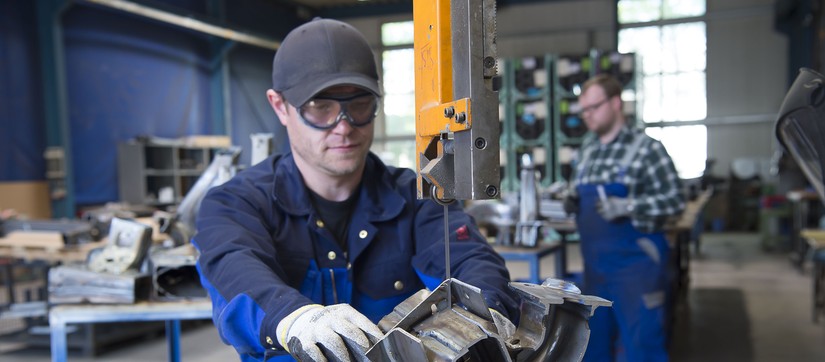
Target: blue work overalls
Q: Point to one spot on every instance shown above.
(626, 266)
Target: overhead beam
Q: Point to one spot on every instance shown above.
(367, 9)
(188, 22)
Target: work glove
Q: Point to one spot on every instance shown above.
(613, 208)
(571, 204)
(333, 333)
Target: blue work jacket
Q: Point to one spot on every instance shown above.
(265, 253)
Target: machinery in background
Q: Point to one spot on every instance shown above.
(262, 147)
(520, 222)
(180, 225)
(129, 268)
(101, 218)
(112, 274)
(173, 269)
(530, 221)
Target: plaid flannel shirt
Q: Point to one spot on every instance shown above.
(653, 183)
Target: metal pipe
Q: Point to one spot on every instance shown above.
(188, 23)
(53, 68)
(718, 121)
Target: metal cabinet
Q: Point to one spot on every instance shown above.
(159, 174)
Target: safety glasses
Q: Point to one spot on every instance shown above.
(592, 108)
(326, 112)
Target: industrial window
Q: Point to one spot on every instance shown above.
(395, 142)
(670, 36)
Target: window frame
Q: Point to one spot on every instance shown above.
(382, 139)
(660, 126)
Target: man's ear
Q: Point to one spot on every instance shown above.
(278, 104)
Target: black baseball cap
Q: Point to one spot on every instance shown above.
(320, 54)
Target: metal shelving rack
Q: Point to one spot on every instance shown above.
(570, 73)
(527, 104)
(539, 106)
(145, 169)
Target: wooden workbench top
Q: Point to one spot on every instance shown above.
(815, 237)
(44, 245)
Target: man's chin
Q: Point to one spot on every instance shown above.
(344, 166)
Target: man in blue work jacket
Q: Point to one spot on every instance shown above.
(305, 251)
(626, 188)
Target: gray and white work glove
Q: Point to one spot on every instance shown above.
(613, 208)
(333, 333)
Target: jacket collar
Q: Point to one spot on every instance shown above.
(379, 200)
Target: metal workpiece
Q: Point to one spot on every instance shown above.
(181, 225)
(423, 304)
(530, 220)
(553, 326)
(516, 222)
(457, 125)
(174, 274)
(112, 274)
(74, 284)
(126, 248)
(554, 321)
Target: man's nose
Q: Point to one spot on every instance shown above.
(343, 127)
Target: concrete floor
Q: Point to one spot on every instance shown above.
(743, 305)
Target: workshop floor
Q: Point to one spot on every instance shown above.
(744, 305)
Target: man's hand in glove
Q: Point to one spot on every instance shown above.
(614, 208)
(315, 333)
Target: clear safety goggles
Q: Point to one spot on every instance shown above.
(326, 112)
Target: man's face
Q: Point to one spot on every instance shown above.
(339, 151)
(599, 112)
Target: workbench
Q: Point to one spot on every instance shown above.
(170, 312)
(801, 202)
(815, 239)
(40, 250)
(680, 232)
(533, 256)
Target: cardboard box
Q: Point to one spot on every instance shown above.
(29, 198)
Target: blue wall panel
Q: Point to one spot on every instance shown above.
(22, 122)
(250, 75)
(128, 77)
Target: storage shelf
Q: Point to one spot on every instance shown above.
(144, 170)
(551, 80)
